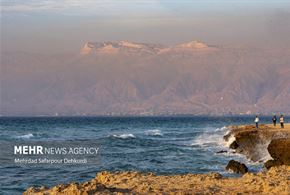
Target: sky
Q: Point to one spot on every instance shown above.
(54, 26)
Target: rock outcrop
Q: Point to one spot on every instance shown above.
(237, 167)
(267, 144)
(279, 150)
(234, 145)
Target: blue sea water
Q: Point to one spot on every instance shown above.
(164, 145)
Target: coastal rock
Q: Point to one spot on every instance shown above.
(272, 163)
(215, 175)
(221, 152)
(253, 142)
(274, 181)
(279, 149)
(234, 145)
(237, 167)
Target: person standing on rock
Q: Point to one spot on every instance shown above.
(282, 121)
(257, 121)
(274, 119)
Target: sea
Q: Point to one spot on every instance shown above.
(163, 145)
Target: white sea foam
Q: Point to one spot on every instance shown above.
(228, 131)
(262, 152)
(211, 137)
(207, 140)
(231, 139)
(224, 128)
(125, 136)
(154, 132)
(26, 136)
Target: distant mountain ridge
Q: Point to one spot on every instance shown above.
(113, 47)
(127, 78)
(126, 46)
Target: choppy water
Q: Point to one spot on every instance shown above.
(164, 145)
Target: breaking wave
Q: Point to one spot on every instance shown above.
(207, 140)
(154, 132)
(224, 128)
(125, 136)
(231, 139)
(26, 136)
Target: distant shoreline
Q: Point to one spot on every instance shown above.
(132, 116)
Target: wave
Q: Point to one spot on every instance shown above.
(261, 152)
(154, 132)
(26, 136)
(231, 139)
(125, 136)
(207, 140)
(224, 128)
(211, 137)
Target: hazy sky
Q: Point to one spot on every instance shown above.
(65, 25)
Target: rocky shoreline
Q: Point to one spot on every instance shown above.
(274, 181)
(268, 144)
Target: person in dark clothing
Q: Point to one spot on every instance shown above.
(282, 121)
(274, 119)
(257, 122)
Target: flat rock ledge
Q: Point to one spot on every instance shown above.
(268, 143)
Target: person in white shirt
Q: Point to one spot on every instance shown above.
(257, 121)
(282, 121)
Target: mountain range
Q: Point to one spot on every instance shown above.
(128, 78)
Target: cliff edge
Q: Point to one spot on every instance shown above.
(267, 144)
